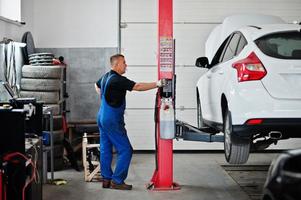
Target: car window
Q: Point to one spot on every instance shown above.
(231, 48)
(284, 45)
(242, 43)
(224, 49)
(217, 57)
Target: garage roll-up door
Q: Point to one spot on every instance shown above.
(193, 21)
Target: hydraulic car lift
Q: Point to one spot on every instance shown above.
(167, 127)
(188, 132)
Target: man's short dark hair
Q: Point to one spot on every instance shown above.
(115, 57)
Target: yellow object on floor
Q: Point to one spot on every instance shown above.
(58, 181)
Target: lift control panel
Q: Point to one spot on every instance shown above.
(166, 57)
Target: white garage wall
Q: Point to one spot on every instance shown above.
(75, 23)
(140, 47)
(85, 33)
(14, 31)
(209, 10)
(193, 21)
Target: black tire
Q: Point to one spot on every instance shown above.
(58, 151)
(236, 151)
(30, 47)
(53, 72)
(57, 122)
(40, 84)
(46, 97)
(200, 120)
(58, 164)
(70, 154)
(55, 108)
(58, 137)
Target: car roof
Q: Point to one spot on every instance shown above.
(254, 32)
(233, 23)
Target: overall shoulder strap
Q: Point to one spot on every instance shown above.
(105, 82)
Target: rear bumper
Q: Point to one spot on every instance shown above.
(251, 100)
(289, 127)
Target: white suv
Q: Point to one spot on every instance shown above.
(252, 89)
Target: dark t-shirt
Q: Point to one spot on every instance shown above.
(116, 88)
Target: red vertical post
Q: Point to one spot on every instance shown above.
(165, 147)
(165, 35)
(163, 176)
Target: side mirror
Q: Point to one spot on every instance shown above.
(202, 62)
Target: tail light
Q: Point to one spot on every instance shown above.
(249, 69)
(254, 121)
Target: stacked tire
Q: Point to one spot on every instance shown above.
(44, 83)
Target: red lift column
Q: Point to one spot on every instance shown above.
(163, 176)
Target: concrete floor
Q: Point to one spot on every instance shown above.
(199, 174)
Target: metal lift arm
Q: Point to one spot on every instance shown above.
(186, 131)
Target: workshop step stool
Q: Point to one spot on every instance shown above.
(94, 174)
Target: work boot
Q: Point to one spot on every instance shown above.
(122, 186)
(106, 183)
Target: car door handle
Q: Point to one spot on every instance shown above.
(221, 72)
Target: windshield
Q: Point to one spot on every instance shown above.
(284, 45)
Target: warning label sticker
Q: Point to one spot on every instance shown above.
(166, 54)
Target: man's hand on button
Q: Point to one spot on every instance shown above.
(161, 83)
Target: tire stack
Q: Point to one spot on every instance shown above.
(43, 81)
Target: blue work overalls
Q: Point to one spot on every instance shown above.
(113, 133)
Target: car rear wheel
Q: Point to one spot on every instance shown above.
(236, 151)
(201, 123)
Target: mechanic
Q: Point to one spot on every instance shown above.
(112, 88)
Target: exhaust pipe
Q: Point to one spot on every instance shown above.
(276, 135)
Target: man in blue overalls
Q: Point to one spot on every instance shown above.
(112, 88)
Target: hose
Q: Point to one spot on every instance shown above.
(156, 128)
(9, 158)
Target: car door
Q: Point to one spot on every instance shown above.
(218, 76)
(204, 84)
